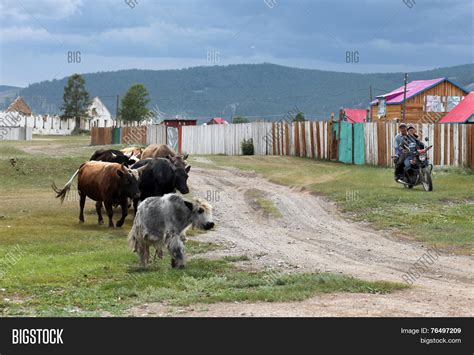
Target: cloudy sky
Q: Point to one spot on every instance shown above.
(343, 35)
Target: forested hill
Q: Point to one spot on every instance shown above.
(261, 90)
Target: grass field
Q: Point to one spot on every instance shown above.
(52, 266)
(443, 217)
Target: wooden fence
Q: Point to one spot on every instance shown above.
(453, 144)
(226, 139)
(371, 143)
(101, 135)
(129, 135)
(366, 143)
(310, 139)
(16, 133)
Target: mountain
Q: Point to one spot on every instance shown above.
(265, 91)
(7, 95)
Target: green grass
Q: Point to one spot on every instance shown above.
(259, 201)
(63, 268)
(443, 217)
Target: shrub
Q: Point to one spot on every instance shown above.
(247, 146)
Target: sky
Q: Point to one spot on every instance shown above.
(51, 39)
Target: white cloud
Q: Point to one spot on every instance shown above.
(24, 10)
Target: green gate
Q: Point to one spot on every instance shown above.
(351, 143)
(116, 134)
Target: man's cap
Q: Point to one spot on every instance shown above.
(402, 125)
(410, 126)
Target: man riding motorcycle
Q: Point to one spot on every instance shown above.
(411, 143)
(400, 154)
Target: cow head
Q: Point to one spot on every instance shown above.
(178, 161)
(181, 179)
(181, 173)
(132, 158)
(201, 214)
(129, 181)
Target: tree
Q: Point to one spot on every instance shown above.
(299, 117)
(133, 105)
(239, 119)
(76, 100)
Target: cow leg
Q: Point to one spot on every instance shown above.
(98, 208)
(82, 202)
(135, 205)
(176, 249)
(110, 213)
(124, 205)
(144, 253)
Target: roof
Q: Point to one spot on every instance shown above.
(98, 109)
(355, 115)
(217, 120)
(462, 112)
(19, 105)
(413, 88)
(179, 119)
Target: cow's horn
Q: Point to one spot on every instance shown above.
(140, 169)
(114, 155)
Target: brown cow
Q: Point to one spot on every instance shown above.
(133, 151)
(164, 151)
(110, 183)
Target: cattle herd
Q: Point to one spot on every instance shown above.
(149, 178)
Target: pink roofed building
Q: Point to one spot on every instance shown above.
(217, 120)
(354, 115)
(426, 101)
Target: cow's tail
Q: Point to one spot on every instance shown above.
(61, 193)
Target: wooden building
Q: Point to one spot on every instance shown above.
(19, 105)
(462, 113)
(426, 101)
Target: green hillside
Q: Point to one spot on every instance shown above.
(261, 90)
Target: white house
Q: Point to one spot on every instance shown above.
(99, 114)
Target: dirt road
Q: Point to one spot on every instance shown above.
(312, 236)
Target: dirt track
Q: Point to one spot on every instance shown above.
(311, 236)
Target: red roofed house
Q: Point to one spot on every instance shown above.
(217, 120)
(426, 101)
(19, 105)
(354, 115)
(462, 113)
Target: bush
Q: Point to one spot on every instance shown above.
(84, 132)
(247, 146)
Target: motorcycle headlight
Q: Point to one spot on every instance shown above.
(422, 158)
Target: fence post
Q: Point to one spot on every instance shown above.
(353, 143)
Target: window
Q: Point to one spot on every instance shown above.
(434, 103)
(453, 101)
(382, 108)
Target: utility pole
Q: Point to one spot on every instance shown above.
(117, 112)
(370, 93)
(405, 98)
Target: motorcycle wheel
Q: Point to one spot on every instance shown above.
(426, 181)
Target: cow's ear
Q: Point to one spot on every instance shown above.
(188, 168)
(185, 156)
(189, 205)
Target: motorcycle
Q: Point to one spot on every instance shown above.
(420, 170)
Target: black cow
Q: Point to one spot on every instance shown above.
(160, 177)
(114, 156)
